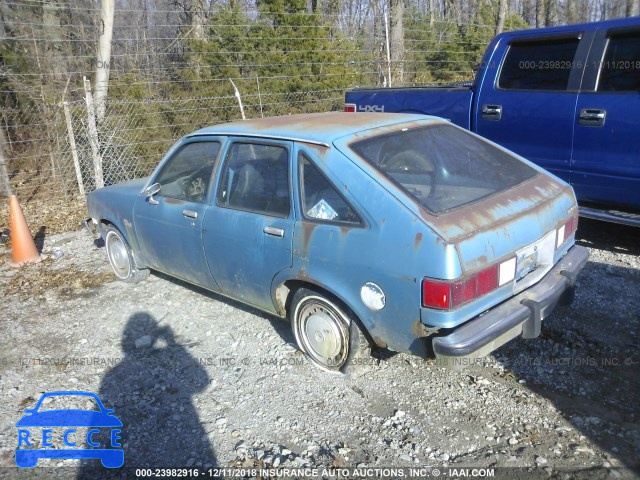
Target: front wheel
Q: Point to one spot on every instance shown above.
(120, 257)
(326, 334)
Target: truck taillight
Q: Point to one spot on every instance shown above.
(450, 294)
(350, 107)
(565, 231)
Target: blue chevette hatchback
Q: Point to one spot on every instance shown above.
(394, 230)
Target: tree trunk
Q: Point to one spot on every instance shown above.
(432, 13)
(527, 12)
(603, 10)
(103, 58)
(55, 50)
(540, 15)
(551, 13)
(396, 9)
(198, 20)
(570, 16)
(5, 186)
(502, 15)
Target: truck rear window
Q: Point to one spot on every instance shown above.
(441, 166)
(538, 65)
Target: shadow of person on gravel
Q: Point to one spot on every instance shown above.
(281, 326)
(151, 391)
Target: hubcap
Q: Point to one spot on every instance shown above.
(323, 334)
(118, 255)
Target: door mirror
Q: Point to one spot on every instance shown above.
(150, 191)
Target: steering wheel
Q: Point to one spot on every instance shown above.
(195, 188)
(411, 162)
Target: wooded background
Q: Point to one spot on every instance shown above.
(172, 63)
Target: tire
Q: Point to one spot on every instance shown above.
(327, 333)
(120, 257)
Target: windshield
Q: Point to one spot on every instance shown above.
(441, 166)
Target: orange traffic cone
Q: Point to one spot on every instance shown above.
(23, 248)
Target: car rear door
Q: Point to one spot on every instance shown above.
(605, 167)
(248, 232)
(528, 106)
(169, 224)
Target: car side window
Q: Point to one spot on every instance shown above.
(620, 68)
(538, 65)
(255, 178)
(320, 199)
(187, 173)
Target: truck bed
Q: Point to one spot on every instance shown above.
(452, 102)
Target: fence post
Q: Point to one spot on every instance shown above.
(72, 144)
(5, 186)
(259, 96)
(93, 134)
(237, 92)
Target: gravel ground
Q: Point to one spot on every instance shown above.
(199, 380)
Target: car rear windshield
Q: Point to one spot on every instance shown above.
(441, 166)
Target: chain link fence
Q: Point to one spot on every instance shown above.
(55, 156)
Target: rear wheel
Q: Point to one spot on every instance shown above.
(120, 257)
(327, 333)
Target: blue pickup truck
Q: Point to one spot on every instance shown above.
(566, 98)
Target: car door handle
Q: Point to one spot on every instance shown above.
(592, 117)
(492, 112)
(190, 213)
(276, 232)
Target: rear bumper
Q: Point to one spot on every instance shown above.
(521, 315)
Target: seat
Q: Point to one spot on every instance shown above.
(249, 189)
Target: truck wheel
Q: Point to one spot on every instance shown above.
(120, 257)
(326, 334)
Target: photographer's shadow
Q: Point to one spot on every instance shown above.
(151, 392)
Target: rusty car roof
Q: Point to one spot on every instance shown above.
(319, 128)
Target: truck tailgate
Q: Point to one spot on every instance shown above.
(451, 103)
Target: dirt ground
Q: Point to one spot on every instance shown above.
(199, 380)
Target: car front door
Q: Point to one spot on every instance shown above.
(168, 224)
(606, 152)
(530, 107)
(248, 232)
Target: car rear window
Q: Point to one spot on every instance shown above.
(443, 167)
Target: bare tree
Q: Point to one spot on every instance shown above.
(432, 13)
(103, 58)
(502, 14)
(53, 50)
(540, 13)
(551, 13)
(5, 186)
(396, 12)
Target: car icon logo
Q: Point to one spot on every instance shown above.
(36, 430)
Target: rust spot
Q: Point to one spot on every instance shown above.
(320, 150)
(383, 221)
(379, 342)
(417, 328)
(418, 240)
(307, 233)
(346, 187)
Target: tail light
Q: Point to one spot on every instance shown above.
(565, 231)
(450, 294)
(350, 107)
